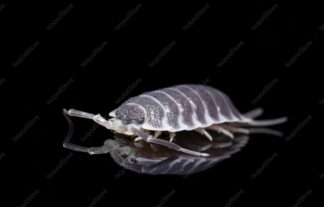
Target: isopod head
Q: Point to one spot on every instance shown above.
(129, 114)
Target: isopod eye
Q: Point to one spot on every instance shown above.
(140, 120)
(126, 121)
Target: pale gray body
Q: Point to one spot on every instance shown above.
(173, 109)
(184, 107)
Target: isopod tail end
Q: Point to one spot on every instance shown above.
(254, 113)
(266, 131)
(269, 122)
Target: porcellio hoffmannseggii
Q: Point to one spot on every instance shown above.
(186, 107)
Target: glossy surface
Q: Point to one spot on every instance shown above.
(153, 159)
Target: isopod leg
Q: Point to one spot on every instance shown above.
(150, 139)
(222, 130)
(139, 140)
(67, 143)
(205, 133)
(156, 135)
(175, 147)
(172, 136)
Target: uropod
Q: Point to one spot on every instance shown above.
(188, 107)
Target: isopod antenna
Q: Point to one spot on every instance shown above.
(67, 143)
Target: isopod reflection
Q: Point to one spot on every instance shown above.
(158, 119)
(160, 160)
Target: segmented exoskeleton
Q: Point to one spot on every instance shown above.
(179, 108)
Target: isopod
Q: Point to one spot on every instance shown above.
(188, 107)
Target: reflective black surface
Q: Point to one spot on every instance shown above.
(93, 56)
(156, 160)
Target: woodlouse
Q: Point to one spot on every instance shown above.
(187, 107)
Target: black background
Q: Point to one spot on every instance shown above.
(42, 71)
